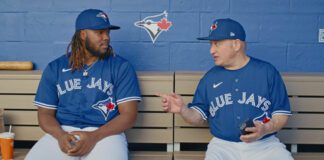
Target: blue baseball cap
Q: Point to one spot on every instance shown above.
(93, 19)
(225, 29)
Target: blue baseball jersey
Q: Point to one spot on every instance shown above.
(87, 101)
(227, 98)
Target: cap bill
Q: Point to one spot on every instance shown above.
(112, 27)
(204, 38)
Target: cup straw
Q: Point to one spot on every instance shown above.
(10, 129)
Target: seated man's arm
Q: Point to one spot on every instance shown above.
(276, 123)
(48, 122)
(192, 116)
(174, 103)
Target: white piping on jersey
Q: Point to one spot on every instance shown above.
(203, 115)
(39, 104)
(47, 107)
(281, 112)
(128, 99)
(216, 85)
(36, 103)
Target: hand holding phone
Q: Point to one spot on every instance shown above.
(245, 124)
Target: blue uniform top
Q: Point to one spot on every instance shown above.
(87, 101)
(226, 98)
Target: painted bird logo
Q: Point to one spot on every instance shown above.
(105, 106)
(155, 25)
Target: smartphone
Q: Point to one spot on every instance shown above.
(245, 124)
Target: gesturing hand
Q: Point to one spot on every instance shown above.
(171, 102)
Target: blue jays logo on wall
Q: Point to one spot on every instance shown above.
(105, 107)
(155, 25)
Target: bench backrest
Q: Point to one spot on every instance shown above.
(305, 126)
(153, 126)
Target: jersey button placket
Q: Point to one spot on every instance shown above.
(236, 80)
(235, 89)
(238, 115)
(83, 104)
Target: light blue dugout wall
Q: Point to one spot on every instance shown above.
(283, 32)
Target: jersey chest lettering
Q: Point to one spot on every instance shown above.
(69, 85)
(75, 84)
(105, 87)
(249, 100)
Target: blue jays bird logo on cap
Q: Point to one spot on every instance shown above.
(213, 26)
(102, 15)
(155, 25)
(105, 106)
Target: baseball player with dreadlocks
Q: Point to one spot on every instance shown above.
(243, 99)
(87, 98)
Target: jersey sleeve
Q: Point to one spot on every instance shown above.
(127, 88)
(278, 95)
(46, 95)
(199, 102)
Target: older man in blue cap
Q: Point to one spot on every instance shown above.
(86, 98)
(243, 99)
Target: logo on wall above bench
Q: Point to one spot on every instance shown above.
(155, 25)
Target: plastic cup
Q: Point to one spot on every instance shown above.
(7, 145)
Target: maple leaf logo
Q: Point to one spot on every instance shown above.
(110, 106)
(266, 120)
(164, 24)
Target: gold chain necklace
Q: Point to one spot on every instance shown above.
(85, 71)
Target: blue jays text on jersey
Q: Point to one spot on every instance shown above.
(226, 98)
(251, 100)
(85, 101)
(75, 83)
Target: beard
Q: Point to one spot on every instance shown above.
(96, 52)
